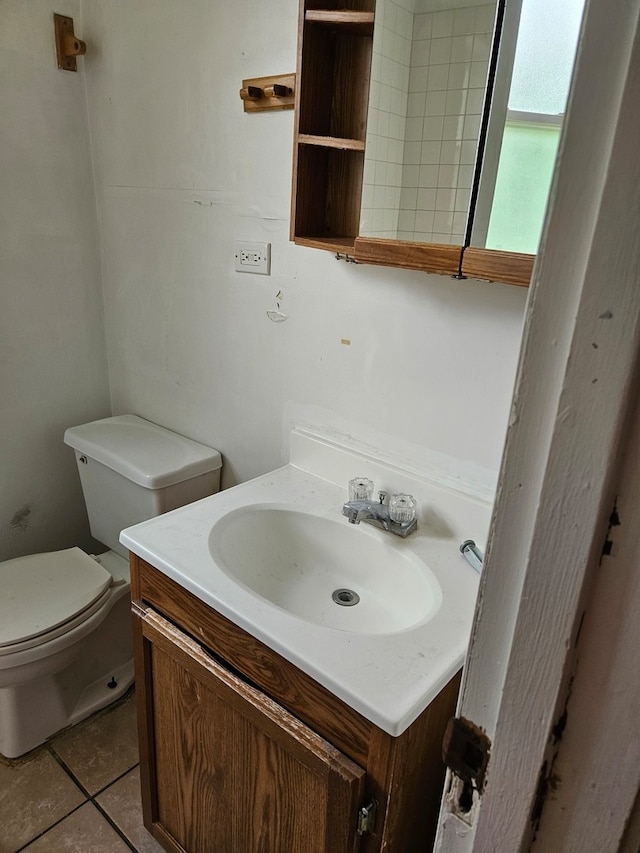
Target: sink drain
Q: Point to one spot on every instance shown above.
(345, 597)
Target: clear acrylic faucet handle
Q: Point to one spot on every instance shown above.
(360, 489)
(402, 508)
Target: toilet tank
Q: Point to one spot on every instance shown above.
(131, 470)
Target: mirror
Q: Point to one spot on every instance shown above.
(428, 81)
(533, 74)
(444, 164)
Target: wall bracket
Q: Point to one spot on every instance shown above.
(268, 93)
(68, 46)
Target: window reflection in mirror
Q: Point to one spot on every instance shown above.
(535, 62)
(428, 80)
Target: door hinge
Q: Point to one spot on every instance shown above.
(367, 817)
(465, 751)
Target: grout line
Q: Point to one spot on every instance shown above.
(115, 779)
(77, 781)
(90, 798)
(114, 825)
(57, 823)
(67, 770)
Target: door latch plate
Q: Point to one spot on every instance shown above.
(465, 751)
(367, 818)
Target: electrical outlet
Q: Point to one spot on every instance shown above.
(253, 257)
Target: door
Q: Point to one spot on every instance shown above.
(551, 673)
(226, 769)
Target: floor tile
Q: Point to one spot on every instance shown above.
(85, 831)
(34, 794)
(100, 750)
(121, 801)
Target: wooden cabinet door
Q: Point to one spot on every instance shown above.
(227, 770)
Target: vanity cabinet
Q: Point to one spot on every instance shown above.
(241, 751)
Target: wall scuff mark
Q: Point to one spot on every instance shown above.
(20, 518)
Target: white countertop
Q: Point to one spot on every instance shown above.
(388, 678)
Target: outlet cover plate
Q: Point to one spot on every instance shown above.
(253, 257)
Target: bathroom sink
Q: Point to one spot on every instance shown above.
(270, 553)
(325, 571)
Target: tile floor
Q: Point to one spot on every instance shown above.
(79, 792)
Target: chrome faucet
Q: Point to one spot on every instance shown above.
(380, 514)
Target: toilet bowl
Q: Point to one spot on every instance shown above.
(65, 624)
(62, 656)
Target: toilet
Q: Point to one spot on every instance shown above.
(65, 616)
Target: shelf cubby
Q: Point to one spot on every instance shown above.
(339, 5)
(334, 61)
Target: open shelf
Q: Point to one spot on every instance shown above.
(334, 62)
(357, 23)
(329, 184)
(340, 245)
(332, 6)
(331, 142)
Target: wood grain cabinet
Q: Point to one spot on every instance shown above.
(335, 42)
(241, 752)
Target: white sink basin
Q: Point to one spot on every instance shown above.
(268, 554)
(325, 571)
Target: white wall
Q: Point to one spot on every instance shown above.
(181, 172)
(52, 352)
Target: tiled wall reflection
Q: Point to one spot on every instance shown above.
(388, 99)
(425, 195)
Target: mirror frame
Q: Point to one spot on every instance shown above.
(457, 261)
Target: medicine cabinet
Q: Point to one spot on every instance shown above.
(410, 118)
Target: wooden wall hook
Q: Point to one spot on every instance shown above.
(74, 46)
(268, 93)
(68, 45)
(251, 93)
(277, 91)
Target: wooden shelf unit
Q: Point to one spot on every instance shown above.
(334, 60)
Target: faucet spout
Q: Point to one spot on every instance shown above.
(353, 513)
(357, 511)
(378, 515)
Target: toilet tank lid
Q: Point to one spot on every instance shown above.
(143, 452)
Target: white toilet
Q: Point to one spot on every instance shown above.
(65, 621)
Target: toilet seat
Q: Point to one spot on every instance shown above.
(45, 595)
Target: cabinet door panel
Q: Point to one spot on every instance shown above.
(231, 770)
